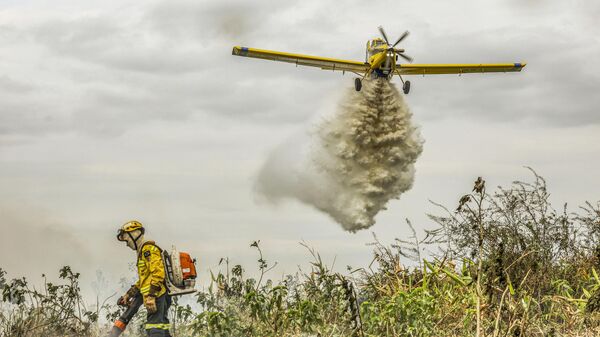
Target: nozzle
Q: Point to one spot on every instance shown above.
(117, 329)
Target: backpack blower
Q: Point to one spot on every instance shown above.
(180, 272)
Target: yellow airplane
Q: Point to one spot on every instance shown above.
(380, 61)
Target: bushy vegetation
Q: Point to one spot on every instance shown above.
(506, 264)
(57, 310)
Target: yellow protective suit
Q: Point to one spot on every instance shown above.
(151, 270)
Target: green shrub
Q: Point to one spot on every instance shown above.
(508, 264)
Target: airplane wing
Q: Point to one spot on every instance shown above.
(427, 69)
(303, 60)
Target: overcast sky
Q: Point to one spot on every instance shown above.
(114, 110)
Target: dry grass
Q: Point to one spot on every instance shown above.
(508, 265)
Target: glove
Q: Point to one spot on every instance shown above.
(129, 295)
(150, 304)
(122, 301)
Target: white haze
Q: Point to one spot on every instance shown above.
(354, 162)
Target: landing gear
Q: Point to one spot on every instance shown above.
(406, 87)
(357, 84)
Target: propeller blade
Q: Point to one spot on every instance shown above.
(383, 34)
(402, 37)
(406, 57)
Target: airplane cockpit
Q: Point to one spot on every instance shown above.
(374, 46)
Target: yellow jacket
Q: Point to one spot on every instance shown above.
(151, 270)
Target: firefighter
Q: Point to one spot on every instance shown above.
(151, 280)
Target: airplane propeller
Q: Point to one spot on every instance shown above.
(393, 47)
(402, 37)
(383, 34)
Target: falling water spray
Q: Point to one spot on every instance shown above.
(355, 161)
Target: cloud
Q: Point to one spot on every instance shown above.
(185, 20)
(555, 88)
(126, 45)
(13, 86)
(103, 72)
(26, 109)
(116, 70)
(165, 39)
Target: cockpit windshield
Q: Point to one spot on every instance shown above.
(376, 43)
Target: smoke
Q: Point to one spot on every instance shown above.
(353, 163)
(34, 242)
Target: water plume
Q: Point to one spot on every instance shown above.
(354, 162)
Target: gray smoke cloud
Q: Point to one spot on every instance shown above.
(33, 242)
(353, 163)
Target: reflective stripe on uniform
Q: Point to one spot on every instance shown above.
(153, 248)
(145, 290)
(162, 326)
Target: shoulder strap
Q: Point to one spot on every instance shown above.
(149, 242)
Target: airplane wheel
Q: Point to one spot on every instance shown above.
(357, 84)
(406, 87)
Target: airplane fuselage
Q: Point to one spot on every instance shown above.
(381, 60)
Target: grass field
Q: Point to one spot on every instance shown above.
(509, 264)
